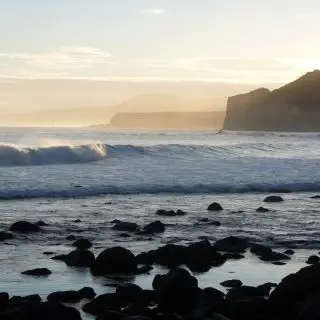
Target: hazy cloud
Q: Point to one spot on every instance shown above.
(154, 11)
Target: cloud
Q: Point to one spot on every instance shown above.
(154, 11)
(303, 16)
(52, 64)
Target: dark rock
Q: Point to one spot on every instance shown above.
(124, 235)
(170, 213)
(70, 296)
(262, 209)
(176, 291)
(110, 315)
(260, 250)
(4, 298)
(47, 253)
(278, 263)
(41, 311)
(87, 293)
(274, 256)
(154, 227)
(273, 199)
(77, 221)
(24, 226)
(316, 197)
(231, 283)
(215, 206)
(125, 226)
(313, 260)
(37, 272)
(215, 223)
(41, 224)
(147, 258)
(5, 236)
(204, 220)
(233, 256)
(82, 244)
(104, 302)
(170, 255)
(80, 258)
(293, 292)
(199, 256)
(71, 237)
(144, 269)
(245, 292)
(60, 257)
(115, 221)
(213, 293)
(114, 260)
(265, 289)
(289, 252)
(232, 244)
(130, 292)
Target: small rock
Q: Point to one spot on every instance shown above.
(289, 252)
(80, 258)
(232, 244)
(316, 197)
(278, 263)
(313, 260)
(262, 209)
(273, 199)
(260, 250)
(144, 269)
(47, 253)
(125, 226)
(24, 226)
(170, 213)
(215, 206)
(82, 244)
(37, 272)
(77, 221)
(5, 235)
(231, 283)
(154, 227)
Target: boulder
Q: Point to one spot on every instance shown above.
(154, 227)
(273, 199)
(114, 260)
(72, 296)
(176, 291)
(79, 258)
(5, 235)
(82, 244)
(130, 292)
(24, 226)
(245, 292)
(170, 255)
(125, 226)
(37, 272)
(231, 283)
(274, 257)
(215, 206)
(170, 213)
(232, 244)
(313, 260)
(260, 250)
(87, 293)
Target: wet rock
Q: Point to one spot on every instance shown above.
(70, 296)
(262, 209)
(215, 223)
(315, 197)
(245, 292)
(260, 250)
(60, 257)
(77, 221)
(313, 260)
(274, 256)
(24, 226)
(71, 237)
(87, 293)
(41, 311)
(144, 269)
(47, 253)
(110, 315)
(130, 292)
(114, 260)
(176, 291)
(115, 221)
(5, 235)
(295, 291)
(170, 255)
(170, 213)
(289, 252)
(231, 283)
(147, 258)
(215, 206)
(278, 263)
(80, 258)
(199, 256)
(41, 223)
(104, 302)
(204, 220)
(154, 227)
(233, 256)
(37, 272)
(265, 288)
(82, 244)
(4, 298)
(125, 226)
(273, 199)
(232, 244)
(124, 235)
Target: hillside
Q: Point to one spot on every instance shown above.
(293, 107)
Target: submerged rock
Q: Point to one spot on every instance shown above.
(82, 244)
(114, 260)
(5, 235)
(37, 272)
(289, 252)
(215, 206)
(273, 199)
(274, 257)
(170, 213)
(262, 209)
(24, 226)
(125, 226)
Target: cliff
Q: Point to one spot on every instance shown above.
(293, 107)
(168, 120)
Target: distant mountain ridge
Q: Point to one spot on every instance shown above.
(293, 107)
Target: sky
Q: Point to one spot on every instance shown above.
(237, 41)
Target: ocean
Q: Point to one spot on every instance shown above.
(60, 175)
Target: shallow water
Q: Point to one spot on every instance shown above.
(141, 172)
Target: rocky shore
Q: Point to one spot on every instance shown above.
(176, 294)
